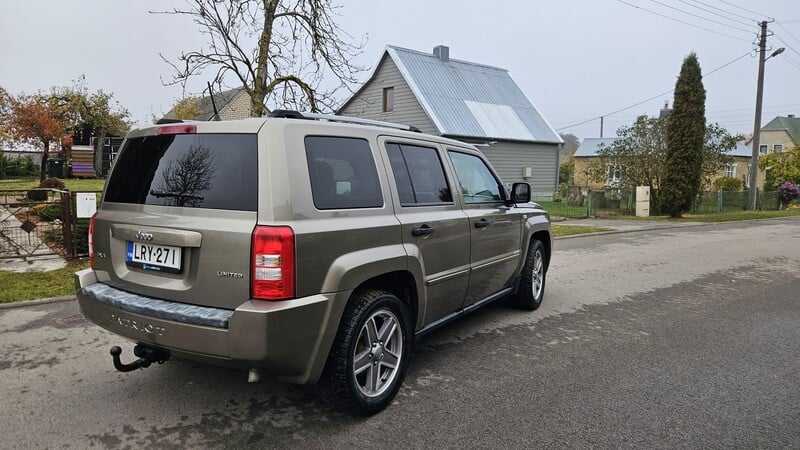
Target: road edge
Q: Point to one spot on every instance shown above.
(39, 301)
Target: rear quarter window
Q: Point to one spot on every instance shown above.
(213, 171)
(342, 173)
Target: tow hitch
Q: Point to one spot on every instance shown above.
(146, 357)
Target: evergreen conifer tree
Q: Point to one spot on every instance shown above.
(686, 128)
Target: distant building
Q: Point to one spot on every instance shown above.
(739, 167)
(779, 134)
(231, 104)
(467, 101)
(587, 155)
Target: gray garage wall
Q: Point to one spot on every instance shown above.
(509, 158)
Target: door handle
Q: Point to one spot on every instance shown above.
(483, 223)
(423, 230)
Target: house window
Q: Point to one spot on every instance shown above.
(388, 99)
(777, 148)
(730, 170)
(614, 175)
(762, 149)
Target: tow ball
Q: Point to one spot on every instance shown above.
(146, 355)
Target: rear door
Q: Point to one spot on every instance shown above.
(433, 226)
(495, 229)
(177, 217)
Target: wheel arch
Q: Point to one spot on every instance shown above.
(401, 284)
(545, 238)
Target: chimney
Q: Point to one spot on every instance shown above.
(442, 52)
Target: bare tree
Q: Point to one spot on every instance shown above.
(284, 53)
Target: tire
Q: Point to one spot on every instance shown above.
(369, 357)
(531, 287)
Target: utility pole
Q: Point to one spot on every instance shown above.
(762, 49)
(601, 126)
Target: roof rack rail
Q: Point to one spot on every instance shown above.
(283, 113)
(287, 114)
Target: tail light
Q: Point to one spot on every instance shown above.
(272, 263)
(91, 241)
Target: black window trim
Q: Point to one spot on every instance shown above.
(111, 196)
(502, 190)
(374, 163)
(432, 146)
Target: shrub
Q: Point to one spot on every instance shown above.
(728, 184)
(53, 183)
(40, 194)
(82, 237)
(17, 166)
(37, 195)
(50, 212)
(788, 192)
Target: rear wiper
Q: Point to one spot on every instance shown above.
(174, 194)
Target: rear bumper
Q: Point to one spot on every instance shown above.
(289, 339)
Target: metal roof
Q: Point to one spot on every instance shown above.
(466, 99)
(590, 146)
(741, 150)
(790, 124)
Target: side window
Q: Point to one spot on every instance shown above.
(419, 175)
(342, 173)
(478, 185)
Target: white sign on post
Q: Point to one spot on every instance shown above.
(86, 204)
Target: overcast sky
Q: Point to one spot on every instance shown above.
(575, 59)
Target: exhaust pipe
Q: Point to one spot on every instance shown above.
(146, 355)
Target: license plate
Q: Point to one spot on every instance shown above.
(160, 258)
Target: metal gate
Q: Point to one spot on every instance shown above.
(35, 222)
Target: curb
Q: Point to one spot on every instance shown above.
(598, 233)
(40, 301)
(668, 227)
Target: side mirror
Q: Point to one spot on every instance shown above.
(521, 193)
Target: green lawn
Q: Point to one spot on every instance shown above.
(33, 285)
(738, 215)
(562, 209)
(73, 184)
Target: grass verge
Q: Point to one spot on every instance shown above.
(571, 230)
(73, 184)
(19, 287)
(729, 216)
(739, 215)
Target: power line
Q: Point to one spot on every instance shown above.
(699, 16)
(787, 32)
(793, 62)
(712, 12)
(788, 47)
(725, 11)
(683, 22)
(726, 64)
(651, 98)
(744, 9)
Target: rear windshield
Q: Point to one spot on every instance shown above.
(214, 171)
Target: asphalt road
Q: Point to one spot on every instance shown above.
(671, 338)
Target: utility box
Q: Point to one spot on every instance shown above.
(642, 201)
(642, 194)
